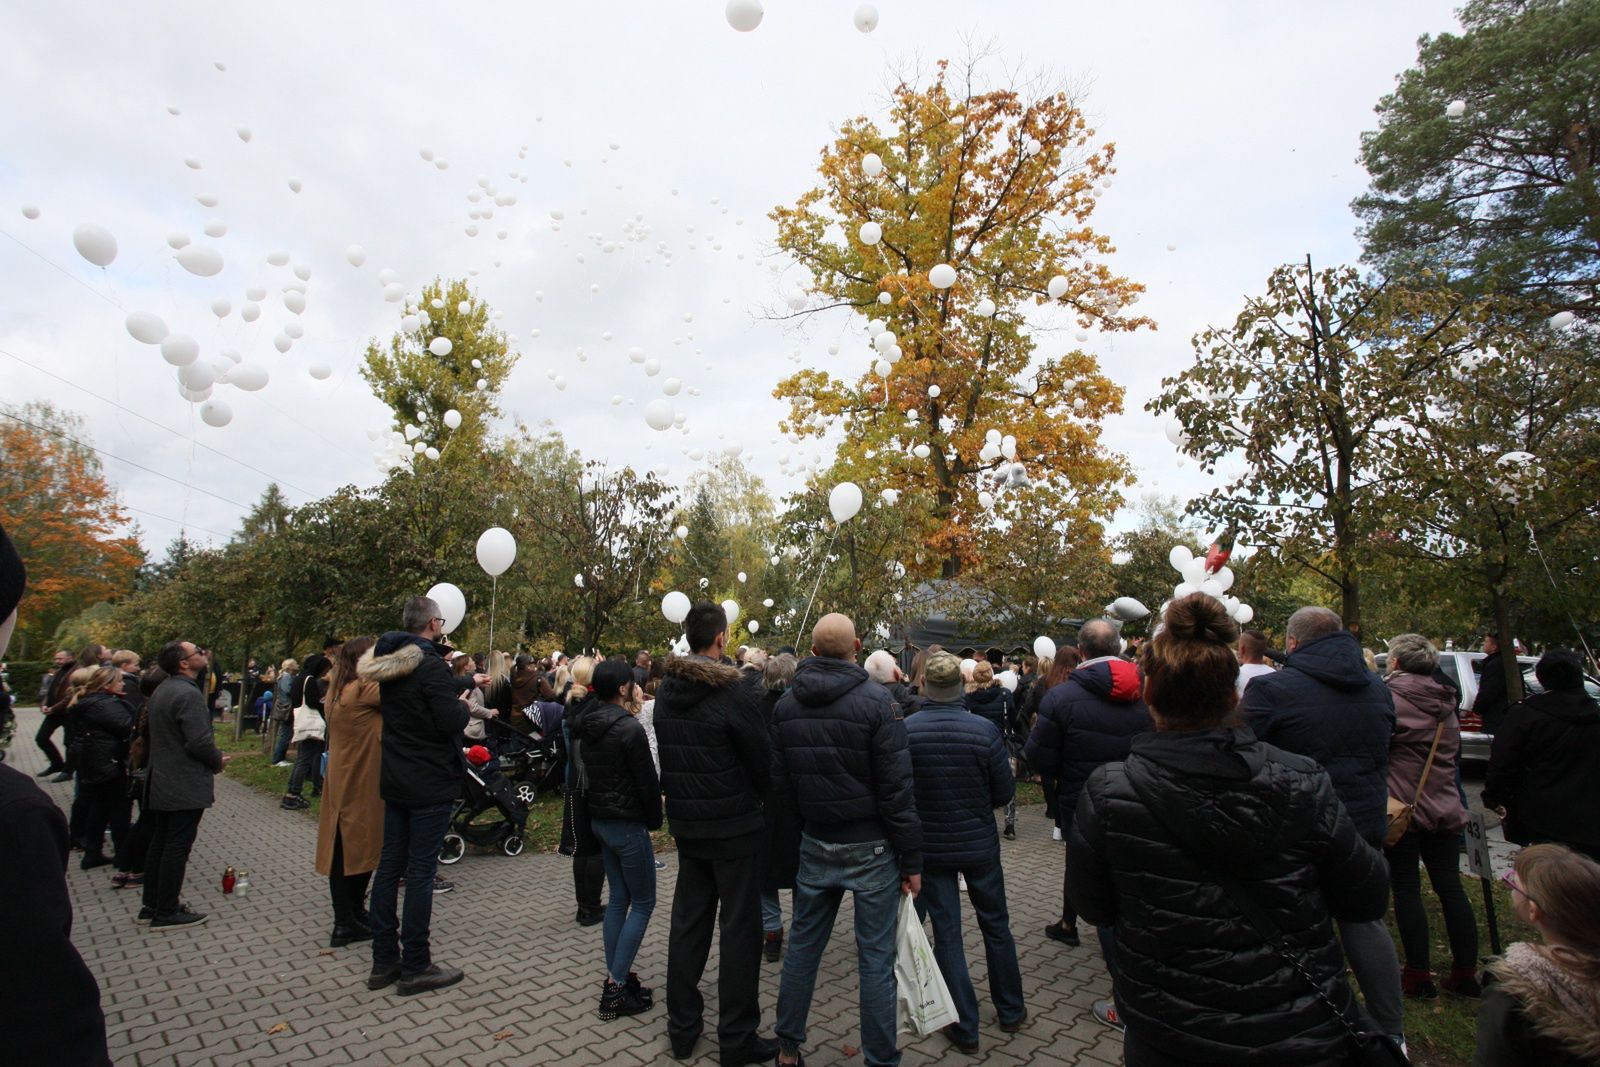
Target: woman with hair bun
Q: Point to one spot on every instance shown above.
(1204, 848)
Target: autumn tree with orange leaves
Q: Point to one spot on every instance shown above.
(65, 519)
(1001, 187)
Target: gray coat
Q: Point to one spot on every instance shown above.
(183, 757)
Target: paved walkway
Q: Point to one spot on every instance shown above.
(256, 986)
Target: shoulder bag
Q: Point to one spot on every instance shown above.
(1400, 812)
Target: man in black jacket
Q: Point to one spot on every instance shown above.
(715, 771)
(1327, 705)
(419, 780)
(840, 753)
(1492, 699)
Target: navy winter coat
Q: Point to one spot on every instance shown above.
(959, 762)
(1194, 977)
(994, 703)
(1085, 721)
(1326, 704)
(716, 752)
(422, 720)
(841, 752)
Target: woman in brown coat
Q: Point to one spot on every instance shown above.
(350, 832)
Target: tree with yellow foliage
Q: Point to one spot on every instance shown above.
(998, 188)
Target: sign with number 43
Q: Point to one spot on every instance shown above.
(1478, 846)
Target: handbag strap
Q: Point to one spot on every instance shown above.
(1258, 915)
(1428, 766)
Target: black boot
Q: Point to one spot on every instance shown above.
(91, 860)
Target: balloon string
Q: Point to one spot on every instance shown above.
(494, 595)
(817, 585)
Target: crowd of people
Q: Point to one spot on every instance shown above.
(1233, 830)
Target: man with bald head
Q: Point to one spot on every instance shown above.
(1327, 705)
(839, 752)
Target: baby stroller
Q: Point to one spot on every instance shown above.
(487, 792)
(534, 761)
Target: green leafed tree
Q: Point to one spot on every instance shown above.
(1505, 197)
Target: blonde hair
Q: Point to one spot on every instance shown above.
(122, 657)
(982, 676)
(1565, 885)
(582, 673)
(291, 664)
(86, 680)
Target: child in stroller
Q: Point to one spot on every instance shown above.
(529, 750)
(486, 791)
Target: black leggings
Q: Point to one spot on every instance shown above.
(1441, 854)
(106, 807)
(1069, 918)
(347, 891)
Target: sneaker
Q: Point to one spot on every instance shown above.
(437, 976)
(661, 864)
(440, 885)
(1055, 833)
(293, 803)
(146, 914)
(1010, 832)
(383, 977)
(1106, 1012)
(1067, 935)
(177, 920)
(283, 763)
(961, 1043)
(772, 948)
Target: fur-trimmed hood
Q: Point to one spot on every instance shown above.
(395, 656)
(699, 670)
(1559, 1004)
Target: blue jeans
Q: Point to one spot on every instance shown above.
(771, 912)
(872, 875)
(941, 899)
(411, 839)
(280, 748)
(630, 864)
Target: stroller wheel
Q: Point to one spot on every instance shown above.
(526, 794)
(512, 846)
(452, 848)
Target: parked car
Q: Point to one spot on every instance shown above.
(1475, 741)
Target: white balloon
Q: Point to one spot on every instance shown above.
(294, 185)
(675, 606)
(216, 413)
(732, 610)
(394, 292)
(1455, 109)
(200, 260)
(671, 386)
(145, 327)
(1224, 577)
(295, 302)
(356, 255)
(681, 532)
(1174, 432)
(29, 211)
(177, 240)
(440, 346)
(1179, 557)
(984, 309)
(410, 323)
(431, 452)
(870, 233)
(193, 396)
(497, 550)
(248, 376)
(320, 371)
(179, 349)
(283, 342)
(257, 293)
(196, 376)
(744, 15)
(216, 228)
(1194, 572)
(985, 500)
(452, 419)
(882, 368)
(922, 451)
(652, 367)
(1128, 609)
(1561, 320)
(658, 415)
(1183, 589)
(942, 276)
(753, 626)
(890, 497)
(1057, 287)
(294, 330)
(278, 258)
(244, 133)
(452, 604)
(95, 243)
(412, 432)
(1244, 614)
(220, 307)
(844, 501)
(250, 312)
(1044, 648)
(866, 18)
(871, 164)
(741, 577)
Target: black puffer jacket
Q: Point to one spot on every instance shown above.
(422, 720)
(1326, 704)
(716, 754)
(962, 774)
(105, 723)
(1194, 978)
(612, 755)
(1087, 720)
(1543, 767)
(993, 702)
(842, 754)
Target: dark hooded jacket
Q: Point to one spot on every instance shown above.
(105, 724)
(422, 720)
(962, 773)
(1194, 977)
(1543, 768)
(994, 703)
(841, 753)
(1326, 704)
(1085, 721)
(1492, 702)
(716, 755)
(612, 755)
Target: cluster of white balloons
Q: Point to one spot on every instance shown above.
(746, 15)
(1197, 579)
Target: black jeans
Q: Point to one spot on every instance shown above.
(135, 847)
(308, 766)
(47, 729)
(347, 891)
(168, 859)
(411, 840)
(588, 875)
(106, 807)
(702, 883)
(1069, 918)
(1441, 854)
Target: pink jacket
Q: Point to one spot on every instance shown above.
(1420, 702)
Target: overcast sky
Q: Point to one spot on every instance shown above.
(1237, 127)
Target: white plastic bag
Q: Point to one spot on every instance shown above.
(922, 1000)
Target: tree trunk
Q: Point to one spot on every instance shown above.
(1350, 602)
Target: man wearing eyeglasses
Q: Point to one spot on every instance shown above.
(184, 763)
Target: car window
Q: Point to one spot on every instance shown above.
(1451, 668)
